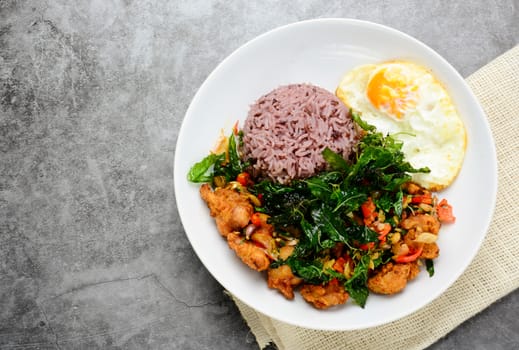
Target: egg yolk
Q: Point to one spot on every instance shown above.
(390, 91)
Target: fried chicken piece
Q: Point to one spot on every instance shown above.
(417, 224)
(392, 278)
(231, 210)
(252, 255)
(265, 240)
(430, 251)
(323, 297)
(414, 270)
(282, 279)
(421, 223)
(414, 188)
(285, 252)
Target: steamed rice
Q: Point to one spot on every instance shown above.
(287, 129)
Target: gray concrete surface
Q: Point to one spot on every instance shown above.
(92, 252)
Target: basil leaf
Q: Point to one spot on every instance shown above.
(398, 203)
(286, 205)
(348, 200)
(199, 172)
(361, 234)
(311, 232)
(356, 285)
(330, 223)
(429, 266)
(310, 271)
(365, 126)
(319, 188)
(234, 158)
(391, 200)
(335, 160)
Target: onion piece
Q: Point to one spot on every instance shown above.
(249, 230)
(255, 200)
(403, 250)
(426, 237)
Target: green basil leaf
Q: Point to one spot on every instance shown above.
(356, 285)
(200, 172)
(335, 160)
(329, 223)
(398, 203)
(357, 118)
(311, 232)
(361, 234)
(348, 200)
(429, 266)
(234, 157)
(310, 271)
(319, 188)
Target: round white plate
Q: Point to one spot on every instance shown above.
(320, 52)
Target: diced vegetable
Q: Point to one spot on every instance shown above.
(426, 237)
(339, 264)
(410, 257)
(425, 198)
(256, 219)
(367, 246)
(369, 211)
(383, 230)
(243, 178)
(444, 211)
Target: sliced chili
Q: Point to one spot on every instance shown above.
(256, 219)
(243, 178)
(384, 232)
(339, 264)
(424, 198)
(367, 246)
(409, 257)
(368, 209)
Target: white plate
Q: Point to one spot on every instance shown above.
(320, 52)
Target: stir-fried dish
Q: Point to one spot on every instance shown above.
(359, 226)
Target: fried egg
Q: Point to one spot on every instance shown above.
(405, 100)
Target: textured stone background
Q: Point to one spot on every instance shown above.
(92, 94)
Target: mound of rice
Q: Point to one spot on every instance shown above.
(287, 129)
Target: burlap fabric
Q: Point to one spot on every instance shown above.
(492, 274)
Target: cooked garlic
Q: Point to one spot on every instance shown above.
(395, 237)
(292, 242)
(328, 265)
(255, 201)
(426, 207)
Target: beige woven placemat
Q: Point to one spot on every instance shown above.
(493, 273)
